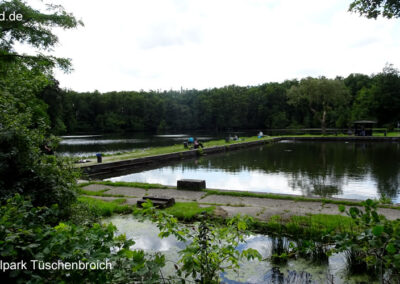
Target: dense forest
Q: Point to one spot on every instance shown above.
(290, 104)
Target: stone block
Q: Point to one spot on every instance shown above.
(191, 184)
(158, 201)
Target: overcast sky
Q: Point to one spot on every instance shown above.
(169, 44)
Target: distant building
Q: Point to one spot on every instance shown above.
(363, 127)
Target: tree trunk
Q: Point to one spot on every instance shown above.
(323, 122)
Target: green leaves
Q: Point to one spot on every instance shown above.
(210, 248)
(25, 234)
(372, 9)
(377, 230)
(321, 95)
(375, 240)
(35, 30)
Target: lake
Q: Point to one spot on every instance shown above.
(329, 169)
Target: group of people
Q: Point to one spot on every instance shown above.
(193, 141)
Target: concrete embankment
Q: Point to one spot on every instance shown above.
(228, 206)
(103, 169)
(110, 168)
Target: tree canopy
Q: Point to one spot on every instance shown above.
(34, 29)
(270, 105)
(24, 127)
(320, 95)
(375, 8)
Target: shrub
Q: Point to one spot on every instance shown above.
(26, 234)
(376, 243)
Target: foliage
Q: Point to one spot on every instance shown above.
(24, 168)
(31, 233)
(377, 243)
(24, 129)
(210, 249)
(34, 29)
(374, 8)
(320, 95)
(271, 105)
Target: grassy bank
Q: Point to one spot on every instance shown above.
(154, 151)
(106, 208)
(188, 211)
(185, 211)
(311, 226)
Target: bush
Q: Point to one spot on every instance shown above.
(25, 170)
(26, 234)
(376, 243)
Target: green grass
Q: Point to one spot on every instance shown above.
(324, 222)
(188, 211)
(154, 151)
(388, 134)
(313, 226)
(106, 208)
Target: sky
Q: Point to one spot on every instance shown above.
(137, 45)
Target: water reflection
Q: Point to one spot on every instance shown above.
(89, 145)
(328, 169)
(295, 271)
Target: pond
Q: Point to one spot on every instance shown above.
(89, 145)
(145, 235)
(329, 169)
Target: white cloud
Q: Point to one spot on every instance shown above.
(163, 44)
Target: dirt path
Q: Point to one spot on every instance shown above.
(260, 208)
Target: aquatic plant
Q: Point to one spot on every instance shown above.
(317, 252)
(210, 249)
(282, 250)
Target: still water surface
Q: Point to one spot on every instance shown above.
(327, 169)
(145, 235)
(89, 145)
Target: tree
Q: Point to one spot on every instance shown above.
(386, 96)
(35, 30)
(24, 127)
(321, 95)
(374, 8)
